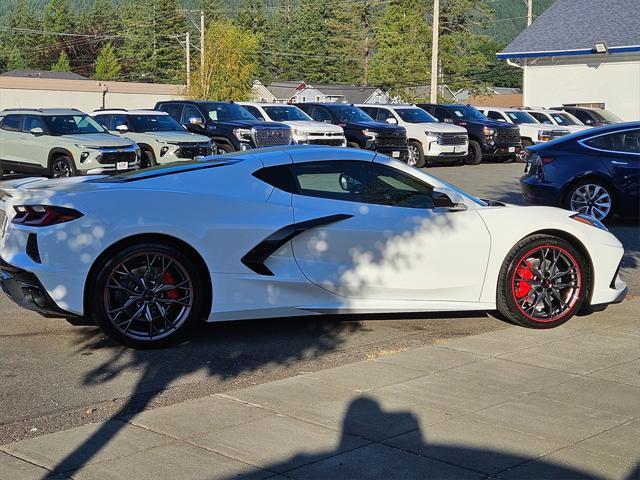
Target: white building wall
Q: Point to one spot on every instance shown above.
(613, 80)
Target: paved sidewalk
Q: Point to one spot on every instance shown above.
(511, 404)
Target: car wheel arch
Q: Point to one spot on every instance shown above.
(588, 176)
(144, 238)
(58, 152)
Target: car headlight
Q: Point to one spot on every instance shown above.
(545, 135)
(589, 220)
(87, 147)
(242, 134)
(488, 131)
(431, 134)
(370, 134)
(301, 134)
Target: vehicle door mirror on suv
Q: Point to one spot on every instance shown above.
(196, 121)
(447, 120)
(392, 121)
(326, 120)
(501, 120)
(37, 131)
(122, 128)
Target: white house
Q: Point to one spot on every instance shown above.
(582, 53)
(284, 91)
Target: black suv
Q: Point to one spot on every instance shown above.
(361, 130)
(594, 117)
(229, 125)
(487, 138)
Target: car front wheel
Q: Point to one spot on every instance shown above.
(416, 155)
(148, 295)
(62, 167)
(543, 282)
(591, 197)
(474, 156)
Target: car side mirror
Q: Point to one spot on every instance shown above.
(349, 184)
(326, 121)
(122, 128)
(37, 131)
(501, 120)
(392, 121)
(448, 120)
(197, 121)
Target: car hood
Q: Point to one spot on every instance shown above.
(377, 126)
(488, 123)
(98, 140)
(182, 137)
(313, 126)
(440, 127)
(251, 124)
(542, 127)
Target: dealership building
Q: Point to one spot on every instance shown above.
(582, 53)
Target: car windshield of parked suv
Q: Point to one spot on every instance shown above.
(155, 123)
(563, 119)
(414, 115)
(606, 115)
(519, 117)
(227, 112)
(286, 113)
(72, 124)
(347, 113)
(468, 113)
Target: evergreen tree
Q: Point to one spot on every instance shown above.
(21, 47)
(107, 66)
(62, 64)
(252, 16)
(15, 60)
(277, 38)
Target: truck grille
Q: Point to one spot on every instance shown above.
(508, 136)
(192, 150)
(115, 157)
(452, 139)
(269, 137)
(386, 140)
(333, 142)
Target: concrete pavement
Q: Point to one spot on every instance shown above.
(511, 403)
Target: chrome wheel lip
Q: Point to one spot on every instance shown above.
(548, 286)
(61, 169)
(142, 301)
(591, 199)
(413, 156)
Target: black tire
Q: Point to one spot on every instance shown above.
(530, 294)
(419, 161)
(186, 276)
(594, 188)
(222, 149)
(62, 166)
(148, 159)
(474, 157)
(352, 145)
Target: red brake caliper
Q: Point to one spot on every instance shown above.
(168, 279)
(525, 273)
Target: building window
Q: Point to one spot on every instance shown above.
(317, 98)
(304, 99)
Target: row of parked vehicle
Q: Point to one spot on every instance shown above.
(68, 142)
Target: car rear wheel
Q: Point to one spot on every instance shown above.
(148, 295)
(474, 156)
(543, 282)
(62, 167)
(591, 197)
(224, 149)
(415, 157)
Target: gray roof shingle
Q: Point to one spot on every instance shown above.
(43, 74)
(570, 25)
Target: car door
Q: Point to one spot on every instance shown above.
(379, 235)
(11, 149)
(36, 147)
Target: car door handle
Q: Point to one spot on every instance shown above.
(619, 163)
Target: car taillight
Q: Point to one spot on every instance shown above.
(546, 160)
(43, 215)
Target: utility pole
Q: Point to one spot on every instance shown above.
(434, 51)
(529, 12)
(188, 42)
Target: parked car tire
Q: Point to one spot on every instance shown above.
(223, 149)
(543, 282)
(416, 154)
(62, 166)
(474, 157)
(592, 197)
(352, 145)
(148, 159)
(134, 304)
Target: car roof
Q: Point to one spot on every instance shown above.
(42, 111)
(122, 111)
(501, 109)
(267, 104)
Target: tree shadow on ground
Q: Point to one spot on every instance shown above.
(409, 455)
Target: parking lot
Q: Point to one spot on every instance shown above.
(55, 376)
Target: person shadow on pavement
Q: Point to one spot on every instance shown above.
(386, 454)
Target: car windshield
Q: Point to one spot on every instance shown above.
(227, 112)
(518, 117)
(286, 113)
(155, 123)
(468, 113)
(606, 115)
(414, 115)
(348, 113)
(563, 119)
(72, 124)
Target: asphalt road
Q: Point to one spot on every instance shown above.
(54, 376)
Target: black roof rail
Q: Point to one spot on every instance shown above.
(105, 109)
(22, 109)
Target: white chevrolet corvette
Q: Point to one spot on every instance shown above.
(291, 231)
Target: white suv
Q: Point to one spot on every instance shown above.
(557, 118)
(429, 140)
(531, 131)
(304, 129)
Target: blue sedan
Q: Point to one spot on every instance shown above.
(595, 172)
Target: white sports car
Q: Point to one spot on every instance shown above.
(291, 231)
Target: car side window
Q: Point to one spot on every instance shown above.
(173, 109)
(320, 114)
(384, 114)
(584, 117)
(11, 123)
(442, 114)
(32, 121)
(371, 111)
(117, 120)
(362, 182)
(190, 112)
(541, 117)
(103, 120)
(621, 142)
(493, 115)
(254, 111)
